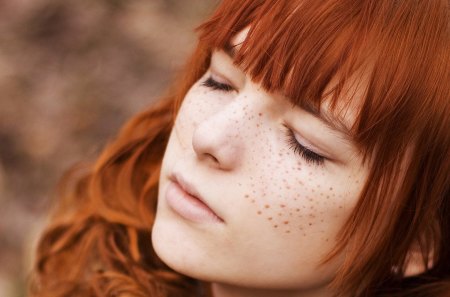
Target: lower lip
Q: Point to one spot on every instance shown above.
(188, 206)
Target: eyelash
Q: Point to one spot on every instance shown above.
(308, 155)
(217, 86)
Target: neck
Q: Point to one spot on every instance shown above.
(225, 290)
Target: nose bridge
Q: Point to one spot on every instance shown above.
(232, 115)
(219, 137)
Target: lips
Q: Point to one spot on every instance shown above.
(183, 198)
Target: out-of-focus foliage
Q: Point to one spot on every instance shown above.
(71, 72)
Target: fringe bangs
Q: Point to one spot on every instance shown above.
(306, 50)
(316, 51)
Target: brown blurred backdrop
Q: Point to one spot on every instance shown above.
(71, 73)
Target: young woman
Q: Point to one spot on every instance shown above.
(304, 152)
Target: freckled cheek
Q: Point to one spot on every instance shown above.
(290, 196)
(285, 211)
(280, 198)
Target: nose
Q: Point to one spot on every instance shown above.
(217, 140)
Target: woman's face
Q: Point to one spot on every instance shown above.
(276, 182)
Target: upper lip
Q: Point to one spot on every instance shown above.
(190, 189)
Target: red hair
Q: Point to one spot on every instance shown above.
(98, 243)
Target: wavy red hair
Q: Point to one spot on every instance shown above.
(98, 242)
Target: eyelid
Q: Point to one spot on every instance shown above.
(307, 144)
(221, 79)
(310, 156)
(222, 65)
(312, 131)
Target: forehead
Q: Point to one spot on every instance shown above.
(237, 40)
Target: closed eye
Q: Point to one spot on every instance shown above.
(307, 154)
(217, 86)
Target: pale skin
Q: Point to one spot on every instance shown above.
(281, 207)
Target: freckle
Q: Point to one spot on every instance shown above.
(253, 200)
(331, 188)
(260, 114)
(328, 197)
(282, 205)
(266, 206)
(288, 231)
(286, 222)
(310, 224)
(259, 212)
(246, 196)
(275, 226)
(280, 214)
(269, 218)
(297, 209)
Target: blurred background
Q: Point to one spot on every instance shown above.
(71, 73)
